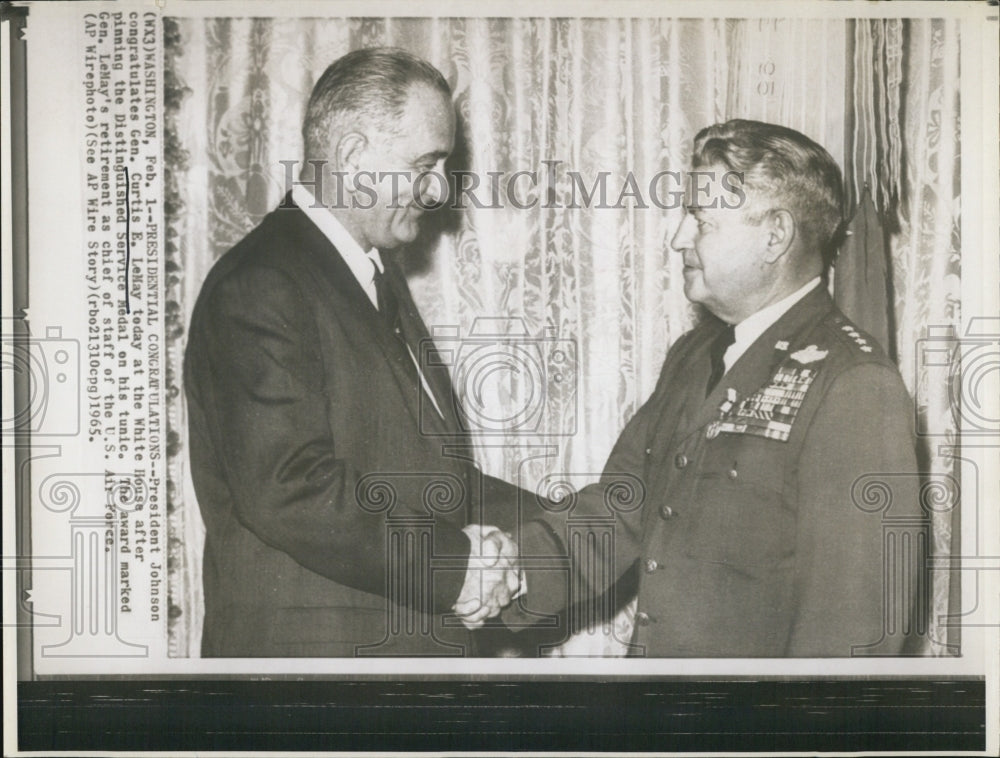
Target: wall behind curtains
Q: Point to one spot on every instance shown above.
(597, 95)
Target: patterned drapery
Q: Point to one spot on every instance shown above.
(904, 136)
(594, 292)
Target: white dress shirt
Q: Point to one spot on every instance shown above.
(357, 260)
(750, 328)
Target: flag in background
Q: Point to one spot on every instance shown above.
(860, 285)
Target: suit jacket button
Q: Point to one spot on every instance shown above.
(651, 565)
(680, 460)
(733, 474)
(642, 619)
(667, 512)
(649, 451)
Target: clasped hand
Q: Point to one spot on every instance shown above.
(493, 578)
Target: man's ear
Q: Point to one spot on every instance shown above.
(781, 233)
(350, 149)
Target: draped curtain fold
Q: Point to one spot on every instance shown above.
(594, 292)
(903, 133)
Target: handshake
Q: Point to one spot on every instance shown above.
(493, 579)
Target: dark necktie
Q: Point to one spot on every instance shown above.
(388, 308)
(388, 305)
(717, 352)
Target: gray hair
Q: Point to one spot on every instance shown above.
(785, 165)
(368, 85)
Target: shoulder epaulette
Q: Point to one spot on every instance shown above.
(850, 334)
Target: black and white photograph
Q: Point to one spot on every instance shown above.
(522, 377)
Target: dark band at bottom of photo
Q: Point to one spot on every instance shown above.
(575, 715)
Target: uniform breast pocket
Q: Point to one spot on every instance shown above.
(740, 515)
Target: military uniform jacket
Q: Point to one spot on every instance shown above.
(748, 514)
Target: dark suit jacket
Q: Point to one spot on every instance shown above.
(318, 465)
(761, 530)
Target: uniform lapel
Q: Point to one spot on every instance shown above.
(756, 366)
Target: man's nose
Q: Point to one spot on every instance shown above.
(683, 238)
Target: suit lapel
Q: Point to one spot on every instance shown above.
(355, 308)
(420, 342)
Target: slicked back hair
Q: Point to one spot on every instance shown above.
(367, 87)
(781, 164)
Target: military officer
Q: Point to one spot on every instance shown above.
(747, 518)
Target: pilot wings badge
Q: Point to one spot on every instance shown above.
(809, 354)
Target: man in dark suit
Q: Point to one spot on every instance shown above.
(337, 521)
(754, 523)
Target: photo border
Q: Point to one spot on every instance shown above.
(69, 713)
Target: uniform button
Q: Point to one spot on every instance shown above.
(733, 473)
(649, 450)
(651, 566)
(667, 512)
(680, 460)
(642, 619)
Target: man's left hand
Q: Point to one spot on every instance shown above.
(493, 578)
